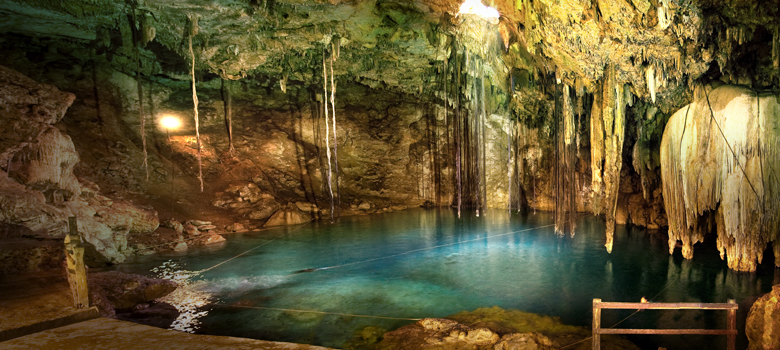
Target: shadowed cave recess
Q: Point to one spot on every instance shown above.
(660, 114)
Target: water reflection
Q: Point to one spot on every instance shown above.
(428, 263)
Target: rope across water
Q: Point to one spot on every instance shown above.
(419, 250)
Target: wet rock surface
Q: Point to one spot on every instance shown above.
(485, 328)
(763, 323)
(114, 290)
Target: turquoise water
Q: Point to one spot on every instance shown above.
(427, 263)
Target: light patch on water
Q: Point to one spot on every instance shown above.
(188, 298)
(192, 295)
(241, 284)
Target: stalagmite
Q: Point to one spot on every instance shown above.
(193, 31)
(720, 157)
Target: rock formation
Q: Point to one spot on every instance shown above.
(116, 290)
(38, 190)
(490, 329)
(763, 323)
(435, 107)
(719, 157)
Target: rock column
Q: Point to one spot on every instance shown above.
(77, 272)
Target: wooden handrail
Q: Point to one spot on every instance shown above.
(731, 330)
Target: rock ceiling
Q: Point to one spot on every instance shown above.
(402, 45)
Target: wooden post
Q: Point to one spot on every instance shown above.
(77, 272)
(596, 325)
(732, 326)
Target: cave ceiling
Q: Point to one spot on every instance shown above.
(402, 45)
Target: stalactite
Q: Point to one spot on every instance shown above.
(458, 138)
(558, 164)
(139, 84)
(713, 153)
(509, 162)
(614, 134)
(776, 55)
(335, 142)
(597, 151)
(650, 78)
(570, 159)
(607, 135)
(228, 99)
(327, 132)
(194, 31)
(483, 142)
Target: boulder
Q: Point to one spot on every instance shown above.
(287, 216)
(206, 227)
(122, 216)
(524, 341)
(263, 209)
(212, 239)
(191, 230)
(173, 224)
(763, 322)
(180, 247)
(200, 222)
(307, 207)
(117, 290)
(235, 227)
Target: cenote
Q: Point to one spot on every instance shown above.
(428, 263)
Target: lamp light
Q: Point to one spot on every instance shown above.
(170, 122)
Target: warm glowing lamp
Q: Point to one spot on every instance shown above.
(476, 7)
(170, 122)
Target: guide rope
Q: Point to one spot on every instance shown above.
(241, 254)
(734, 154)
(419, 250)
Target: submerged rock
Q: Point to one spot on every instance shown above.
(489, 329)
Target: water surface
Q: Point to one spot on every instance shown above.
(428, 263)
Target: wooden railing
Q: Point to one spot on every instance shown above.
(730, 331)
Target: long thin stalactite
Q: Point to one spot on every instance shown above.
(139, 84)
(327, 132)
(334, 52)
(228, 98)
(195, 109)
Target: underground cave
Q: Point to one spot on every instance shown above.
(388, 174)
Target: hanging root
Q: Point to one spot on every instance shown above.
(195, 107)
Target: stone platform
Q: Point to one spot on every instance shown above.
(106, 333)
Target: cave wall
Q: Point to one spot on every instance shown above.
(552, 106)
(38, 186)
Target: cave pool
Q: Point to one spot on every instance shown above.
(428, 263)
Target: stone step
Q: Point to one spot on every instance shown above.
(78, 316)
